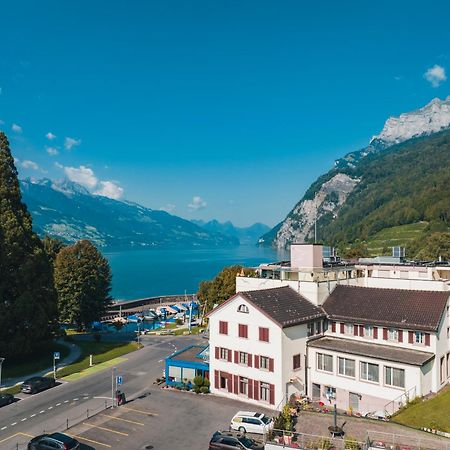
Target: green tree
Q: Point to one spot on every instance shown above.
(434, 246)
(27, 296)
(222, 287)
(52, 247)
(83, 283)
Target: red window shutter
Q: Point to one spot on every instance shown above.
(250, 388)
(342, 328)
(270, 364)
(411, 337)
(333, 327)
(223, 327)
(375, 332)
(260, 334)
(361, 330)
(256, 362)
(230, 382)
(355, 330)
(229, 356)
(400, 335)
(385, 334)
(240, 330)
(217, 349)
(256, 390)
(249, 360)
(236, 384)
(267, 335)
(246, 331)
(427, 339)
(272, 394)
(236, 357)
(216, 379)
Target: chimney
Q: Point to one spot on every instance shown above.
(307, 256)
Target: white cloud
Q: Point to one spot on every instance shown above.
(435, 75)
(82, 175)
(197, 203)
(110, 189)
(170, 208)
(27, 164)
(58, 165)
(52, 151)
(16, 128)
(69, 143)
(50, 136)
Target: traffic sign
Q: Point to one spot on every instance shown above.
(56, 355)
(119, 380)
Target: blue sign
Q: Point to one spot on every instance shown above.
(56, 355)
(119, 380)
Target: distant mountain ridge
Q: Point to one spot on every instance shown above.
(66, 210)
(331, 194)
(246, 235)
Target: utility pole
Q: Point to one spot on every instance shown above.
(1, 362)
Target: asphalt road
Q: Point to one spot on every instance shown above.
(70, 403)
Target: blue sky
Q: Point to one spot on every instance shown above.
(210, 109)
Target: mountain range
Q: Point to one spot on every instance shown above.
(399, 178)
(66, 210)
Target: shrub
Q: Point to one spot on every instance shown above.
(351, 443)
(179, 321)
(204, 390)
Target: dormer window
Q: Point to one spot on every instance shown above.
(243, 309)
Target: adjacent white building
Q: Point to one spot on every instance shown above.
(366, 336)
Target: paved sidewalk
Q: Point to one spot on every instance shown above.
(74, 354)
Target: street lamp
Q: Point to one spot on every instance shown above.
(1, 362)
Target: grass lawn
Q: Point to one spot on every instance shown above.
(41, 359)
(101, 351)
(433, 413)
(194, 330)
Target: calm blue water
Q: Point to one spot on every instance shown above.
(153, 272)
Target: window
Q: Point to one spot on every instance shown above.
(394, 377)
(330, 392)
(223, 353)
(223, 381)
(264, 393)
(223, 327)
(346, 367)
(243, 385)
(368, 331)
(324, 362)
(296, 362)
(243, 309)
(318, 327)
(349, 328)
(263, 334)
(369, 372)
(243, 358)
(264, 362)
(419, 337)
(310, 329)
(393, 334)
(243, 331)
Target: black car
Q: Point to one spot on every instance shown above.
(37, 384)
(232, 441)
(6, 399)
(57, 441)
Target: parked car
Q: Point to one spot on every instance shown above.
(6, 399)
(57, 441)
(37, 384)
(251, 422)
(232, 440)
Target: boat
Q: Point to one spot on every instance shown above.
(134, 318)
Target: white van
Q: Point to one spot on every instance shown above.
(251, 422)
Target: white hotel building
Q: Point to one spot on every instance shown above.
(364, 336)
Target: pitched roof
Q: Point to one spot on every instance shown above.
(419, 310)
(284, 306)
(384, 352)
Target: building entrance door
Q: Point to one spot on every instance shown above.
(316, 391)
(353, 401)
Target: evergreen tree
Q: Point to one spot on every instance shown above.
(27, 295)
(83, 283)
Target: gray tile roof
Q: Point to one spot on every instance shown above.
(367, 349)
(284, 306)
(417, 310)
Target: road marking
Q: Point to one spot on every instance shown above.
(41, 412)
(123, 420)
(106, 398)
(4, 428)
(75, 399)
(66, 401)
(139, 411)
(88, 440)
(160, 360)
(14, 435)
(105, 429)
(84, 398)
(14, 423)
(50, 407)
(58, 404)
(23, 420)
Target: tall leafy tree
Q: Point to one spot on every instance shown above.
(27, 296)
(83, 283)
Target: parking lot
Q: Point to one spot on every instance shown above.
(161, 420)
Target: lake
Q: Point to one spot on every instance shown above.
(153, 272)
